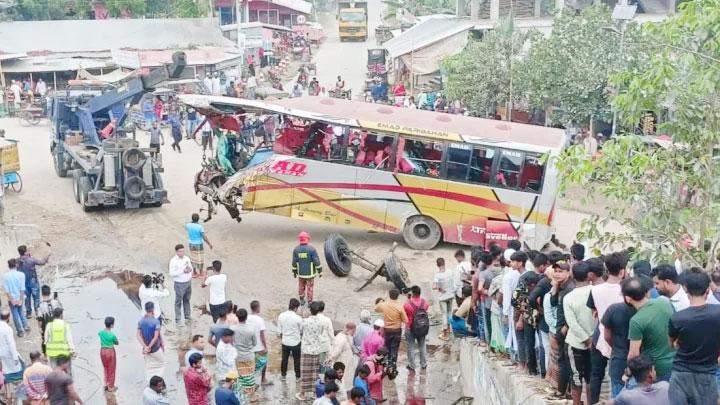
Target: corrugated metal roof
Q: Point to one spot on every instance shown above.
(50, 64)
(426, 33)
(102, 35)
(297, 5)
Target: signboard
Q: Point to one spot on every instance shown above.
(127, 59)
(428, 133)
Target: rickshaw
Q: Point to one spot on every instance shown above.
(376, 62)
(10, 165)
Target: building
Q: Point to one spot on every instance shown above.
(56, 50)
(275, 12)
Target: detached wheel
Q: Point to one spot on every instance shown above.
(421, 232)
(396, 273)
(337, 255)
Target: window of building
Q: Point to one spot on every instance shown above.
(481, 165)
(419, 157)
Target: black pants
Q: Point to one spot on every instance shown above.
(392, 342)
(564, 371)
(215, 311)
(580, 366)
(488, 323)
(529, 341)
(598, 363)
(286, 352)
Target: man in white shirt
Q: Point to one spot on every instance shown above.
(15, 89)
(250, 87)
(225, 356)
(147, 293)
(216, 87)
(290, 330)
(328, 335)
(666, 282)
(9, 356)
(216, 282)
(261, 355)
(181, 271)
(41, 87)
(510, 283)
(462, 275)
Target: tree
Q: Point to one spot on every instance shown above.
(482, 75)
(187, 9)
(569, 69)
(668, 198)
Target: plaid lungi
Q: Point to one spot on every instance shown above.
(246, 373)
(309, 369)
(197, 257)
(553, 370)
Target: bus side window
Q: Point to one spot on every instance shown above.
(481, 165)
(458, 161)
(420, 157)
(531, 178)
(369, 150)
(508, 171)
(337, 143)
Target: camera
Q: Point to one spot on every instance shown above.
(158, 279)
(390, 369)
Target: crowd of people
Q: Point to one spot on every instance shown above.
(575, 320)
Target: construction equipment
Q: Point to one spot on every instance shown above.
(340, 259)
(353, 20)
(90, 140)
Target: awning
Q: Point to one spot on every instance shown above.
(48, 64)
(427, 60)
(115, 76)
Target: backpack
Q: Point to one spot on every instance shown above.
(420, 322)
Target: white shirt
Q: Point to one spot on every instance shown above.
(328, 335)
(216, 87)
(251, 82)
(445, 285)
(177, 267)
(9, 355)
(216, 282)
(16, 92)
(679, 300)
(462, 272)
(290, 327)
(258, 324)
(322, 401)
(225, 357)
(41, 88)
(151, 295)
(510, 283)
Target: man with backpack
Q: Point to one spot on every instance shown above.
(46, 310)
(417, 327)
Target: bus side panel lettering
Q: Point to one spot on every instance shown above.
(500, 232)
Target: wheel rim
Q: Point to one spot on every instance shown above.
(421, 231)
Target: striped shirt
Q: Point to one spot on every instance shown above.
(34, 380)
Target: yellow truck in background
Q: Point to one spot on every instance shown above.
(352, 20)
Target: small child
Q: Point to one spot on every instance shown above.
(361, 381)
(108, 340)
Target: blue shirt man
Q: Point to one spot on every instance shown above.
(14, 284)
(195, 233)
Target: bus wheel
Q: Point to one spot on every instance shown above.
(337, 255)
(422, 233)
(396, 273)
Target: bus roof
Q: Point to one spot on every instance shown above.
(422, 123)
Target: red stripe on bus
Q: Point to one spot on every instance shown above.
(349, 212)
(483, 202)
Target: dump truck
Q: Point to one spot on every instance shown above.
(352, 20)
(93, 140)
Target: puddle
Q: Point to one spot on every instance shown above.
(87, 303)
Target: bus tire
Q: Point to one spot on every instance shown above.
(396, 273)
(421, 232)
(337, 255)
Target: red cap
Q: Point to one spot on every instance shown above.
(304, 237)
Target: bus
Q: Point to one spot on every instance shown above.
(427, 176)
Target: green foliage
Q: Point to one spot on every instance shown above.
(187, 9)
(482, 75)
(664, 195)
(41, 9)
(570, 68)
(129, 8)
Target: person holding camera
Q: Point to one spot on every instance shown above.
(377, 364)
(181, 271)
(151, 290)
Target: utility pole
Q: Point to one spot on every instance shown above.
(622, 13)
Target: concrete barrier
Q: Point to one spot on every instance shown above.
(490, 383)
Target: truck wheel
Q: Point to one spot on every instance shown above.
(134, 188)
(84, 191)
(337, 255)
(421, 232)
(76, 185)
(60, 170)
(133, 158)
(396, 273)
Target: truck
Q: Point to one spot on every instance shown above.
(93, 140)
(353, 20)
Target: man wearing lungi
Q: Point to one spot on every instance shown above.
(196, 238)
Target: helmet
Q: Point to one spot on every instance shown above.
(304, 237)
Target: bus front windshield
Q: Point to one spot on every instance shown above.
(352, 17)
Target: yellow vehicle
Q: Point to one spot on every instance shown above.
(10, 165)
(427, 176)
(352, 20)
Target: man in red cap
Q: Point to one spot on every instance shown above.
(305, 266)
